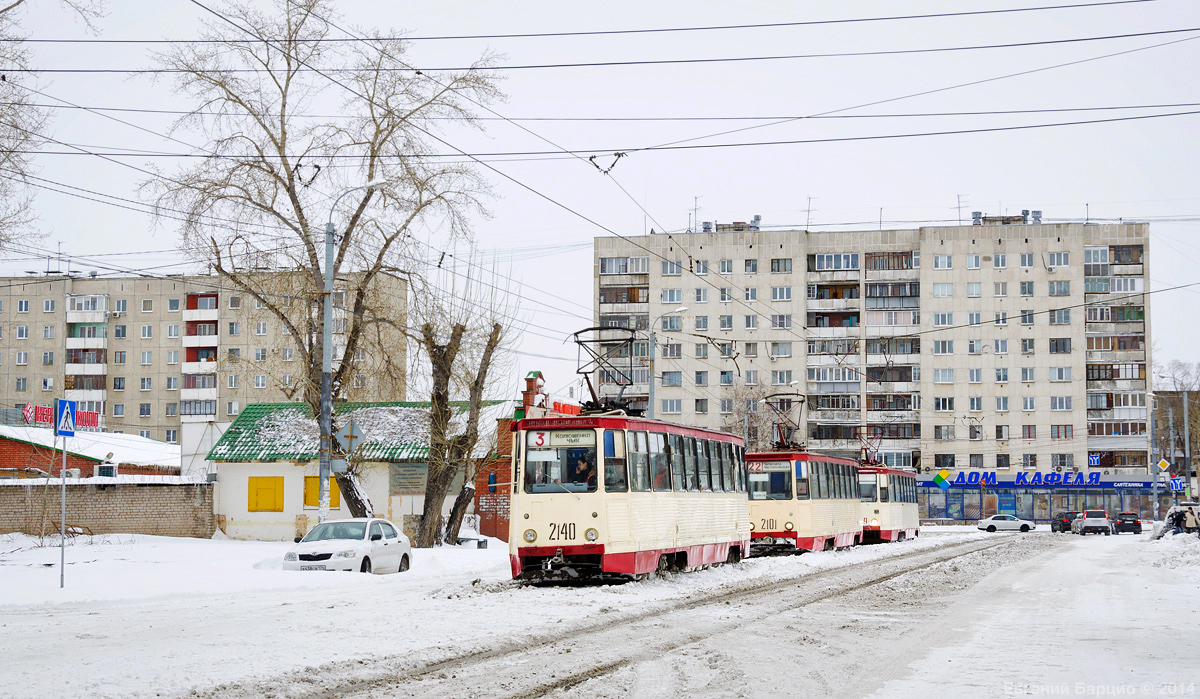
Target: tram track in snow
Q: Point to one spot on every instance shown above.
(556, 662)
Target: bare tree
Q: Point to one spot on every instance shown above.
(259, 198)
(749, 417)
(1178, 384)
(22, 123)
(463, 332)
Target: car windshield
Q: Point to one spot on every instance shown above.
(337, 530)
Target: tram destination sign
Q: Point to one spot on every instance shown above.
(562, 438)
(761, 466)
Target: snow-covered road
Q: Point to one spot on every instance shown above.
(144, 616)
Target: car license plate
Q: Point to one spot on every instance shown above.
(312, 567)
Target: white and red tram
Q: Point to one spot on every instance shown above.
(889, 504)
(666, 497)
(800, 501)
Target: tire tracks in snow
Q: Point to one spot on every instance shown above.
(562, 660)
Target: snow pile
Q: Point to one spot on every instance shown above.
(1176, 551)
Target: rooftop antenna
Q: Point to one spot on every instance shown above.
(695, 214)
(808, 215)
(959, 208)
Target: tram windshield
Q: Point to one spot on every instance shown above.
(558, 461)
(771, 480)
(866, 487)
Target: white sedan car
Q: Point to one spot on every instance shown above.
(1006, 523)
(366, 545)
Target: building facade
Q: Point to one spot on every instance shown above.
(157, 356)
(999, 348)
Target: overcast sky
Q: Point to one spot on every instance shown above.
(1134, 170)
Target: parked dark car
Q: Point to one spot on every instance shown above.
(1128, 522)
(1062, 521)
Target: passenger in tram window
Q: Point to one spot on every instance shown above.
(677, 477)
(584, 473)
(702, 464)
(660, 467)
(801, 488)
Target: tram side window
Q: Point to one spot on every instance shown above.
(702, 464)
(639, 461)
(741, 461)
(676, 443)
(883, 488)
(729, 466)
(802, 488)
(715, 466)
(660, 466)
(867, 487)
(689, 463)
(615, 479)
(816, 468)
(845, 480)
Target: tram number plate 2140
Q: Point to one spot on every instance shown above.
(562, 532)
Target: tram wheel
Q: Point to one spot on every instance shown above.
(901, 537)
(664, 566)
(735, 555)
(829, 544)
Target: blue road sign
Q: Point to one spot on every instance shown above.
(64, 418)
(1177, 483)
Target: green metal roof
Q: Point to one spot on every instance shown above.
(248, 439)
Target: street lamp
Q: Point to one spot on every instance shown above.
(653, 350)
(327, 354)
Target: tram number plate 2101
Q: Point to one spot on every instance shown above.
(562, 532)
(768, 525)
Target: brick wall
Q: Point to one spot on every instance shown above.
(126, 508)
(21, 455)
(492, 487)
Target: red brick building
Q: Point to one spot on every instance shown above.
(493, 487)
(30, 452)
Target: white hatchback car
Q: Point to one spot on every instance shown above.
(1006, 523)
(367, 545)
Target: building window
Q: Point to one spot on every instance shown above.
(231, 408)
(119, 357)
(286, 354)
(672, 406)
(1060, 316)
(1060, 403)
(726, 378)
(147, 358)
(1028, 403)
(943, 461)
(726, 322)
(701, 350)
(943, 376)
(943, 290)
(48, 384)
(668, 296)
(260, 381)
(1028, 431)
(751, 377)
(1002, 432)
(726, 406)
(265, 494)
(943, 346)
(172, 383)
(1026, 374)
(1000, 261)
(48, 306)
(22, 384)
(781, 349)
(670, 350)
(147, 332)
(751, 349)
(975, 403)
(47, 358)
(1027, 288)
(1002, 404)
(1061, 288)
(701, 295)
(751, 322)
(671, 269)
(22, 332)
(781, 293)
(751, 293)
(701, 406)
(1001, 318)
(1001, 375)
(701, 266)
(118, 410)
(943, 319)
(23, 306)
(943, 262)
(1060, 373)
(781, 265)
(751, 266)
(943, 404)
(781, 378)
(974, 375)
(973, 289)
(235, 328)
(1026, 260)
(1060, 259)
(145, 383)
(47, 332)
(943, 433)
(22, 358)
(973, 261)
(781, 321)
(701, 378)
(260, 354)
(1001, 346)
(143, 409)
(672, 323)
(172, 410)
(1062, 432)
(1060, 345)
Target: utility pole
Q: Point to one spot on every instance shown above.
(653, 350)
(1187, 444)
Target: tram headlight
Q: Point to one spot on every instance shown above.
(789, 526)
(591, 535)
(752, 526)
(874, 522)
(530, 535)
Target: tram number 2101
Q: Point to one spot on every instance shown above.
(768, 525)
(562, 532)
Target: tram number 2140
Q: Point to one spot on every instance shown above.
(562, 532)
(768, 525)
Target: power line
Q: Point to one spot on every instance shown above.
(538, 35)
(611, 64)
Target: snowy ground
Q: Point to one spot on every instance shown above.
(150, 615)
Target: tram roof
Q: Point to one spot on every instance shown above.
(620, 422)
(797, 456)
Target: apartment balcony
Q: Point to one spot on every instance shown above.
(835, 332)
(202, 418)
(198, 393)
(1124, 328)
(1126, 270)
(906, 444)
(833, 304)
(892, 331)
(840, 275)
(1116, 356)
(609, 390)
(201, 314)
(629, 280)
(829, 445)
(877, 417)
(85, 369)
(893, 386)
(199, 367)
(86, 343)
(885, 359)
(1117, 385)
(843, 416)
(1098, 414)
(1119, 443)
(87, 316)
(898, 275)
(96, 395)
(201, 340)
(833, 360)
(626, 308)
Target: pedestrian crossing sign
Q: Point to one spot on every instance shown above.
(64, 419)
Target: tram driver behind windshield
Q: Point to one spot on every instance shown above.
(560, 468)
